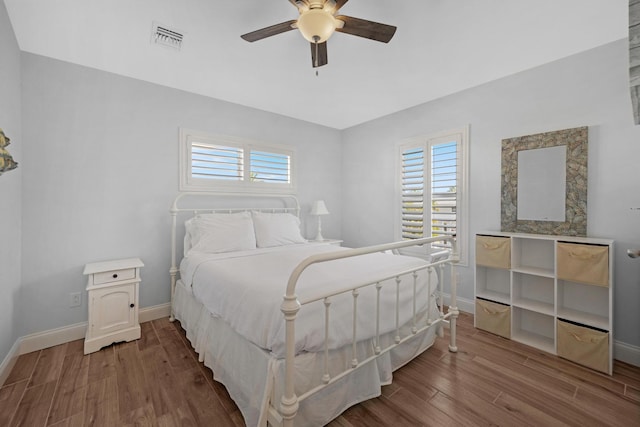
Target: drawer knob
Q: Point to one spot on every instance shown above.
(115, 275)
(132, 305)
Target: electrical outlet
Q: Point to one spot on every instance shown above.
(75, 299)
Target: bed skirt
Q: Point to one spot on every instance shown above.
(254, 377)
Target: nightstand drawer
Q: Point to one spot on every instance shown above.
(114, 276)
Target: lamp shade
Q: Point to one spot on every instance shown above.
(319, 208)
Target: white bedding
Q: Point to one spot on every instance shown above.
(252, 376)
(245, 289)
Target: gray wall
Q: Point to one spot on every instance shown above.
(10, 184)
(589, 89)
(100, 165)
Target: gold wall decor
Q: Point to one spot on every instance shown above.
(575, 197)
(6, 161)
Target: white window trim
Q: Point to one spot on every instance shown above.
(462, 218)
(188, 183)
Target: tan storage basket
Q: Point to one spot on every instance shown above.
(493, 317)
(583, 263)
(492, 251)
(583, 345)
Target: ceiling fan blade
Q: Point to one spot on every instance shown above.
(297, 3)
(339, 4)
(269, 31)
(367, 29)
(319, 54)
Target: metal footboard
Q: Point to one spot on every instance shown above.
(288, 406)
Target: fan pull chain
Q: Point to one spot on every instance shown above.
(315, 39)
(316, 61)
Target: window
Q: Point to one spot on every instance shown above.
(432, 195)
(219, 163)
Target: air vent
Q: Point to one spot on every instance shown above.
(163, 35)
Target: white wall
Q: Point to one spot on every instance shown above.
(10, 183)
(101, 170)
(589, 89)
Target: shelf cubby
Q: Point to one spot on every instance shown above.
(583, 303)
(535, 256)
(533, 292)
(534, 329)
(493, 284)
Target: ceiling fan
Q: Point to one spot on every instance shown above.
(318, 21)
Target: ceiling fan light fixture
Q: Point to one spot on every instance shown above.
(316, 25)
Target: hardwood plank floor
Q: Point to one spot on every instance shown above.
(158, 381)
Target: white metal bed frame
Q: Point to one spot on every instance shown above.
(288, 406)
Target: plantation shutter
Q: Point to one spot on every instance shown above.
(225, 163)
(438, 174)
(269, 167)
(413, 193)
(444, 186)
(216, 162)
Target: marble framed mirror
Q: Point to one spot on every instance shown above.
(544, 183)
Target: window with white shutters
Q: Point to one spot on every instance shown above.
(432, 187)
(213, 163)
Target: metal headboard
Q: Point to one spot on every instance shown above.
(205, 202)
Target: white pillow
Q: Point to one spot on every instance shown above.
(215, 233)
(276, 229)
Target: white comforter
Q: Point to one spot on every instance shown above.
(245, 289)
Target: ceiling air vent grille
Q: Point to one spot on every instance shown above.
(165, 36)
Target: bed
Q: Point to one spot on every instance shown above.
(299, 331)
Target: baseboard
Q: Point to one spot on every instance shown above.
(626, 353)
(148, 314)
(53, 337)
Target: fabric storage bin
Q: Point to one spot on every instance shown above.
(493, 251)
(493, 317)
(583, 263)
(583, 345)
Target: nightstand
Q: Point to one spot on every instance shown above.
(112, 290)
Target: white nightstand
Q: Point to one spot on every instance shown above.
(113, 302)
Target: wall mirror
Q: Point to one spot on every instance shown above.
(544, 183)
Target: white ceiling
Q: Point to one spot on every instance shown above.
(440, 47)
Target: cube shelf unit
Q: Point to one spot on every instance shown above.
(543, 283)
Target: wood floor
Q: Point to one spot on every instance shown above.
(157, 381)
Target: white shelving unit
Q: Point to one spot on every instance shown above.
(543, 284)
